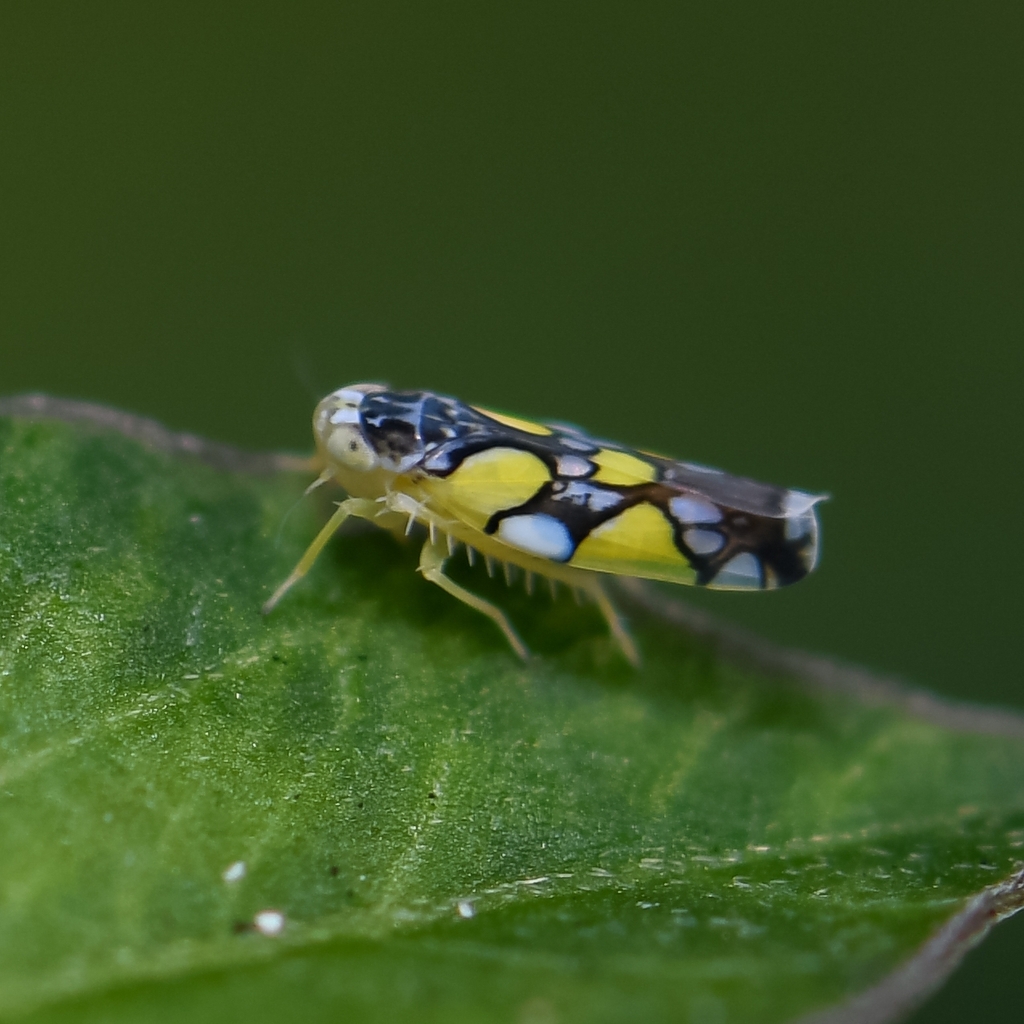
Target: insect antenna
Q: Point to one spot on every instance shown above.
(303, 373)
(318, 482)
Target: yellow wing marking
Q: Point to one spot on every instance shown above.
(637, 543)
(622, 468)
(487, 482)
(511, 421)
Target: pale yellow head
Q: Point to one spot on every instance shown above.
(337, 431)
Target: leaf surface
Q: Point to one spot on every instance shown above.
(449, 834)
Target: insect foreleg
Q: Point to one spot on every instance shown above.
(362, 507)
(432, 560)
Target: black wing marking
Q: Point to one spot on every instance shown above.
(743, 550)
(735, 531)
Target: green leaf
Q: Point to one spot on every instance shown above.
(450, 834)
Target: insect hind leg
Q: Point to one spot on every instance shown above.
(432, 560)
(616, 625)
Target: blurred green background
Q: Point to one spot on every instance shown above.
(782, 239)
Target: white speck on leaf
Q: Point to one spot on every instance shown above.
(235, 872)
(269, 922)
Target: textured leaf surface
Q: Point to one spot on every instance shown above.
(451, 835)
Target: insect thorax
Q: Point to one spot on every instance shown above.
(403, 427)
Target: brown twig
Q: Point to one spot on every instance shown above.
(152, 434)
(820, 673)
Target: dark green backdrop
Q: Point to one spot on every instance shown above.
(783, 239)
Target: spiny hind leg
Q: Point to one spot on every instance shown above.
(432, 559)
(361, 507)
(616, 625)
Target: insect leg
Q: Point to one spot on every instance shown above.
(432, 560)
(614, 620)
(349, 507)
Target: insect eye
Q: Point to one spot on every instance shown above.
(345, 444)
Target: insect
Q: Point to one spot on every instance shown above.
(551, 500)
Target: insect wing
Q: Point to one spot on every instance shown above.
(639, 540)
(487, 481)
(741, 534)
(556, 493)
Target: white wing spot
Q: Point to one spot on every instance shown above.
(573, 465)
(586, 494)
(704, 542)
(800, 526)
(693, 510)
(742, 571)
(538, 534)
